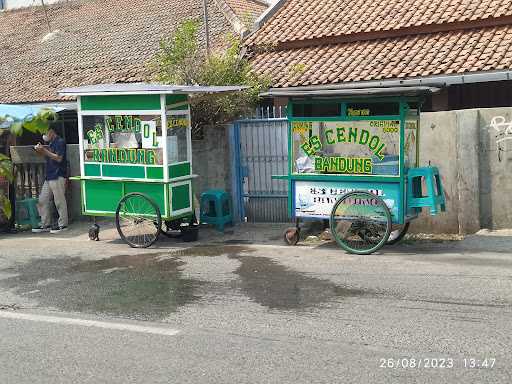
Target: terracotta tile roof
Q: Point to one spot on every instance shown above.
(313, 19)
(483, 49)
(313, 42)
(247, 9)
(98, 41)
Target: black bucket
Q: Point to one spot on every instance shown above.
(189, 233)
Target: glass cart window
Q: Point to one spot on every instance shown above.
(125, 139)
(177, 133)
(369, 147)
(317, 110)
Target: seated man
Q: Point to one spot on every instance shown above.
(54, 185)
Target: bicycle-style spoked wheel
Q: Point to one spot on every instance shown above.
(360, 222)
(138, 220)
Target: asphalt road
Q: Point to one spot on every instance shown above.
(76, 311)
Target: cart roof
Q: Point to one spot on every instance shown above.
(351, 92)
(146, 88)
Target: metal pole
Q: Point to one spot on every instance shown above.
(206, 27)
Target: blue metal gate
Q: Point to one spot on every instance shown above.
(260, 151)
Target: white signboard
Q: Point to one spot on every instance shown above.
(149, 135)
(317, 198)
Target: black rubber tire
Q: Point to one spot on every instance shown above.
(403, 231)
(157, 221)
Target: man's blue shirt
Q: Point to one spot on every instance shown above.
(54, 169)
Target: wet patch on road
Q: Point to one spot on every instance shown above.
(212, 250)
(238, 241)
(277, 287)
(151, 286)
(143, 287)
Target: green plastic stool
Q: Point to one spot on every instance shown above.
(216, 208)
(27, 213)
(435, 193)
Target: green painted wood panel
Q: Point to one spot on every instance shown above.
(92, 169)
(102, 196)
(175, 99)
(180, 197)
(153, 190)
(155, 172)
(179, 170)
(123, 171)
(120, 102)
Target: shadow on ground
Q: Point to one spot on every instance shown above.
(419, 248)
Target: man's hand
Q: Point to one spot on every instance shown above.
(39, 148)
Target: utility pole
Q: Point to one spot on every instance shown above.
(46, 16)
(206, 27)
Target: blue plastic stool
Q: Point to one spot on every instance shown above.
(27, 213)
(435, 193)
(216, 208)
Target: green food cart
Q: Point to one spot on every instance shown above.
(353, 160)
(136, 156)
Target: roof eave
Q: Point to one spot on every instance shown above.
(146, 89)
(436, 81)
(349, 92)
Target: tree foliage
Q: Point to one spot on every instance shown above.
(177, 60)
(38, 123)
(180, 61)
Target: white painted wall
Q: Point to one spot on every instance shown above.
(12, 4)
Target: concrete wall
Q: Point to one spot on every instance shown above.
(477, 181)
(211, 160)
(437, 142)
(495, 169)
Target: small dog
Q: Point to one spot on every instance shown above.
(94, 232)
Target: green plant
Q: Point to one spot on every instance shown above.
(180, 61)
(176, 60)
(5, 173)
(38, 123)
(297, 70)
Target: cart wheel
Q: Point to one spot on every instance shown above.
(292, 235)
(360, 222)
(138, 220)
(397, 234)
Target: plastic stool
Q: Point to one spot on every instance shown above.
(27, 213)
(216, 208)
(435, 193)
